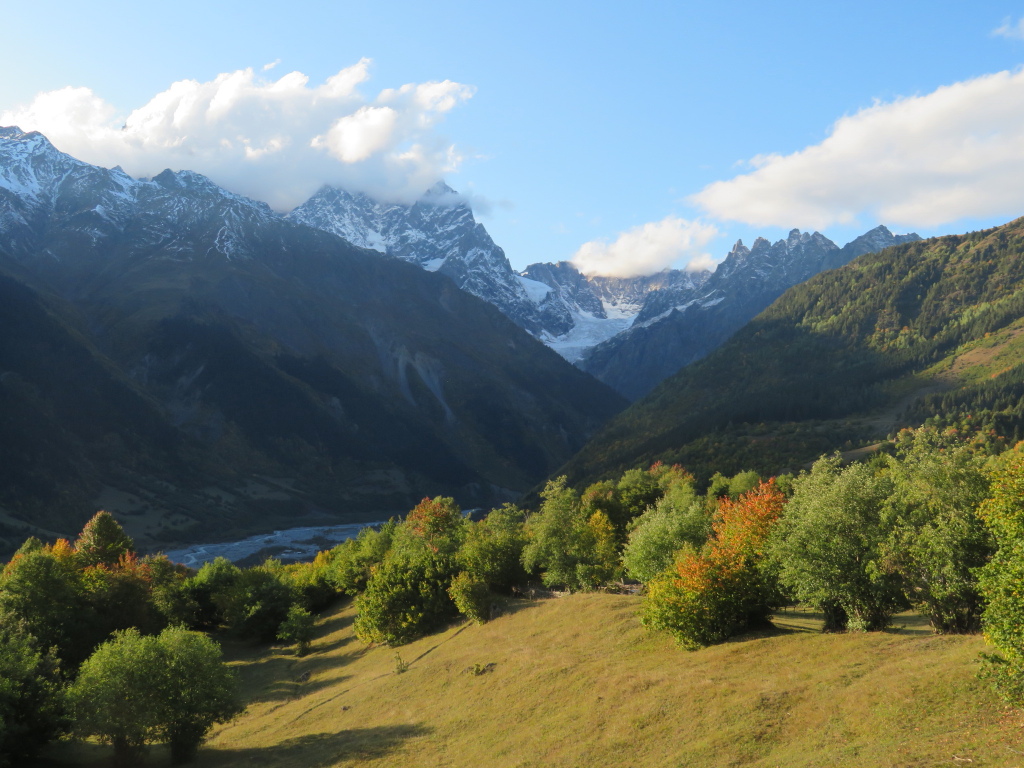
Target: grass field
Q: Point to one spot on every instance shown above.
(576, 681)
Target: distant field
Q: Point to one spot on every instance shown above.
(576, 681)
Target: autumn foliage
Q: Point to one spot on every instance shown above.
(721, 590)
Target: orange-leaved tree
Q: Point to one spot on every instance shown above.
(723, 589)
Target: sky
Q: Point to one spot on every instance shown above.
(626, 137)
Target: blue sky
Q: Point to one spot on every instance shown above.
(566, 123)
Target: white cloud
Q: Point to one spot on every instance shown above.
(274, 140)
(647, 249)
(1011, 29)
(921, 161)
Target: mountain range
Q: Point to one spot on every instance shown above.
(924, 332)
(628, 332)
(195, 362)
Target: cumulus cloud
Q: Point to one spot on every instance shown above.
(1011, 29)
(274, 140)
(647, 249)
(921, 161)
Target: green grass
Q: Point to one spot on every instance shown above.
(576, 681)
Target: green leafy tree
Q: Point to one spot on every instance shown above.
(351, 562)
(492, 550)
(197, 690)
(829, 546)
(31, 699)
(1001, 579)
(298, 627)
(209, 589)
(45, 589)
(568, 547)
(256, 602)
(404, 599)
(679, 518)
(138, 689)
(937, 541)
(102, 541)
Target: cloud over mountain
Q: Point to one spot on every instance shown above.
(274, 140)
(647, 249)
(918, 162)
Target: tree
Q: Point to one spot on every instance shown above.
(351, 562)
(1000, 580)
(102, 541)
(493, 549)
(138, 689)
(31, 702)
(724, 588)
(197, 690)
(44, 588)
(829, 545)
(678, 518)
(570, 547)
(937, 541)
(298, 627)
(403, 600)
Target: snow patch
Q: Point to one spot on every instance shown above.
(536, 290)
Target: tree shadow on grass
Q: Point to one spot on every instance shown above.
(355, 744)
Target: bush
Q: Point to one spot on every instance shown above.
(298, 628)
(723, 589)
(404, 600)
(31, 700)
(471, 597)
(1000, 580)
(135, 689)
(830, 544)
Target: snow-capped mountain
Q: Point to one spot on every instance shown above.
(581, 311)
(163, 332)
(590, 320)
(46, 195)
(439, 233)
(677, 326)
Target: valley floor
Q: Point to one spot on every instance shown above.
(576, 681)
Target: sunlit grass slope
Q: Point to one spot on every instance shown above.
(577, 682)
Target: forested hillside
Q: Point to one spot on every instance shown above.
(925, 330)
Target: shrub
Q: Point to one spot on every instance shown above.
(298, 628)
(1001, 579)
(136, 689)
(829, 545)
(471, 597)
(404, 600)
(724, 588)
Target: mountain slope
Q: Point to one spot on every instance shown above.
(437, 233)
(676, 327)
(265, 349)
(577, 681)
(840, 358)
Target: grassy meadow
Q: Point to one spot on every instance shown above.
(576, 681)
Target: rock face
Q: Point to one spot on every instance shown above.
(679, 325)
(437, 233)
(165, 333)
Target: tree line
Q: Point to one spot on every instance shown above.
(98, 641)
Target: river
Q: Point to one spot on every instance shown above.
(291, 544)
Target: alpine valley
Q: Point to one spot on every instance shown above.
(204, 368)
(628, 332)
